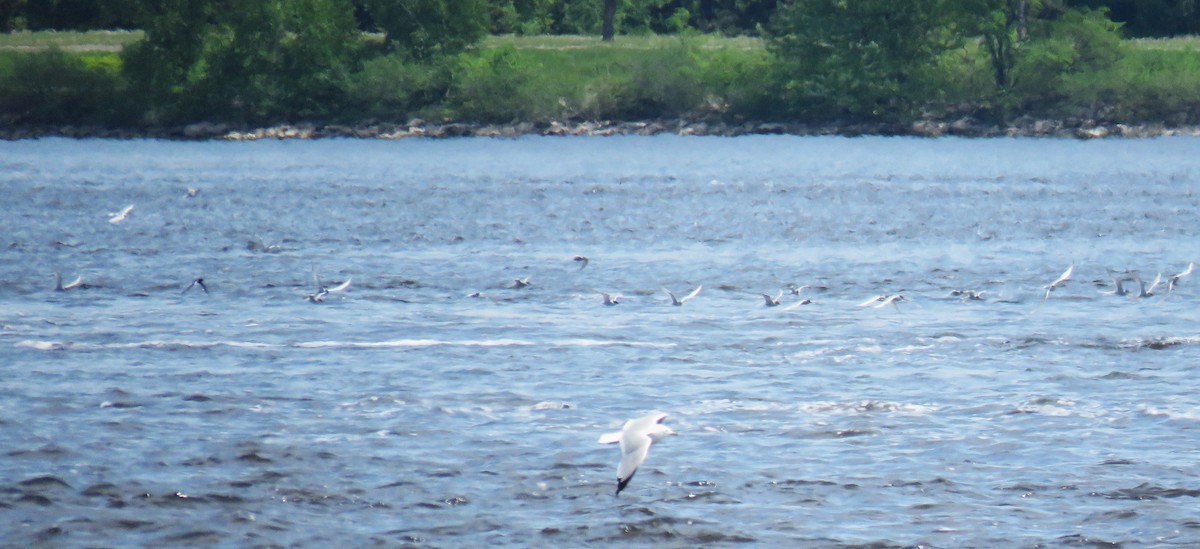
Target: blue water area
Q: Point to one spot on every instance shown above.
(434, 403)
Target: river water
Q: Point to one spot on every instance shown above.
(403, 412)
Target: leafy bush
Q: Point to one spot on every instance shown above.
(492, 86)
(52, 87)
(1142, 86)
(1079, 42)
(263, 62)
(867, 60)
(391, 87)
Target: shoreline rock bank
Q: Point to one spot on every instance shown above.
(965, 127)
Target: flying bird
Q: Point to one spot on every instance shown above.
(1173, 280)
(873, 300)
(59, 287)
(1143, 291)
(1118, 286)
(521, 283)
(768, 300)
(120, 216)
(967, 295)
(795, 290)
(798, 304)
(609, 299)
(481, 295)
(635, 438)
(583, 261)
(680, 301)
(322, 291)
(1058, 282)
(893, 300)
(197, 282)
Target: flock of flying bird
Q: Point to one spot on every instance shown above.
(636, 435)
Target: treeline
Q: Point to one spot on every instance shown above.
(1139, 18)
(884, 62)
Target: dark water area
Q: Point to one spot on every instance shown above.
(408, 411)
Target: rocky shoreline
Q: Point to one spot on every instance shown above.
(964, 127)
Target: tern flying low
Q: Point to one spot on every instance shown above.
(1173, 280)
(680, 301)
(60, 287)
(322, 291)
(197, 282)
(120, 216)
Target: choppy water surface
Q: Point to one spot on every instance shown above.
(403, 412)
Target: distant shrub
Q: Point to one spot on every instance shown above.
(493, 85)
(392, 88)
(741, 83)
(52, 87)
(1143, 86)
(1080, 42)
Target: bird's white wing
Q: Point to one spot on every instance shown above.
(795, 305)
(888, 301)
(340, 287)
(691, 295)
(610, 438)
(1064, 277)
(1187, 271)
(74, 284)
(870, 301)
(634, 447)
(1153, 285)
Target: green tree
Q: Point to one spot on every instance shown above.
(1058, 49)
(424, 29)
(865, 60)
(242, 60)
(1032, 44)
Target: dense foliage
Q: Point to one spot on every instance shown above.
(887, 62)
(243, 60)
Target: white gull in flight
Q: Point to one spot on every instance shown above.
(635, 438)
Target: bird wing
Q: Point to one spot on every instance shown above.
(76, 283)
(691, 295)
(340, 287)
(674, 300)
(1187, 271)
(1153, 285)
(634, 448)
(888, 301)
(795, 305)
(1064, 277)
(870, 301)
(610, 438)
